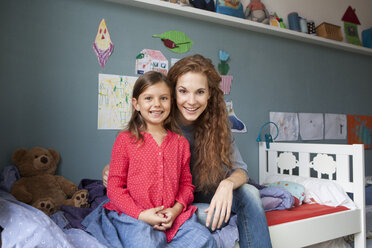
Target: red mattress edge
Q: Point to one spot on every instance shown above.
(304, 211)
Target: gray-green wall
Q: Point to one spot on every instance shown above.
(49, 76)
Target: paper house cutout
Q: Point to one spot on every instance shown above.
(350, 16)
(151, 60)
(351, 21)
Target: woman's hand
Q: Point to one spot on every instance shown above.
(222, 200)
(105, 173)
(220, 204)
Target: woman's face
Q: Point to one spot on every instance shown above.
(192, 94)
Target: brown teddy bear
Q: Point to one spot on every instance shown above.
(39, 186)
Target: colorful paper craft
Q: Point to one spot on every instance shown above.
(237, 125)
(114, 100)
(225, 84)
(287, 124)
(176, 41)
(102, 45)
(151, 60)
(223, 66)
(359, 129)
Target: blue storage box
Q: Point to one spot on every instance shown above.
(367, 37)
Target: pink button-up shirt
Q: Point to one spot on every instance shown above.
(144, 176)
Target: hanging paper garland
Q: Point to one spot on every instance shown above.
(176, 41)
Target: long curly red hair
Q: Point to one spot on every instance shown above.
(212, 134)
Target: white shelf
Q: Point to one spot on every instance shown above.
(208, 16)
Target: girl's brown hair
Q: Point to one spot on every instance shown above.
(137, 124)
(211, 132)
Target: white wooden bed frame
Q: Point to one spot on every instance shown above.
(327, 227)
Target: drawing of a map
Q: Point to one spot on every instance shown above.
(114, 100)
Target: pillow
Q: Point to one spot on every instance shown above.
(296, 190)
(231, 8)
(317, 190)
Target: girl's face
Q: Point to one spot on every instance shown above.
(192, 94)
(154, 104)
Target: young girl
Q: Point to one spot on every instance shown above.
(149, 185)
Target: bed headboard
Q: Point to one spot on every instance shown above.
(343, 164)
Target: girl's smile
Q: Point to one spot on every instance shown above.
(154, 104)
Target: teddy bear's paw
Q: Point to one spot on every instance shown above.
(80, 198)
(45, 205)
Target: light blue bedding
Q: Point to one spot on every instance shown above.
(25, 226)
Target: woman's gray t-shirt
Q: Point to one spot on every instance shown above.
(235, 156)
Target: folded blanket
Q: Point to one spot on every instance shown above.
(276, 198)
(97, 194)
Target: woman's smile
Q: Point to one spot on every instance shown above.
(192, 94)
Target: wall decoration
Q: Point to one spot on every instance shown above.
(102, 45)
(351, 21)
(359, 129)
(176, 41)
(237, 125)
(114, 100)
(335, 126)
(223, 66)
(287, 124)
(151, 60)
(311, 126)
(225, 83)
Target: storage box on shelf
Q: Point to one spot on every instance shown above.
(329, 31)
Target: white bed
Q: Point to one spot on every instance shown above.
(348, 163)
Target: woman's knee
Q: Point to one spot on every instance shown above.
(248, 194)
(202, 216)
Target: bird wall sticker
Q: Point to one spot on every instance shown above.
(102, 45)
(176, 41)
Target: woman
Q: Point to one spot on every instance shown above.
(218, 171)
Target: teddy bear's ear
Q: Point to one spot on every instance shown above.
(17, 155)
(55, 155)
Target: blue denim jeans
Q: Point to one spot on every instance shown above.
(252, 224)
(116, 231)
